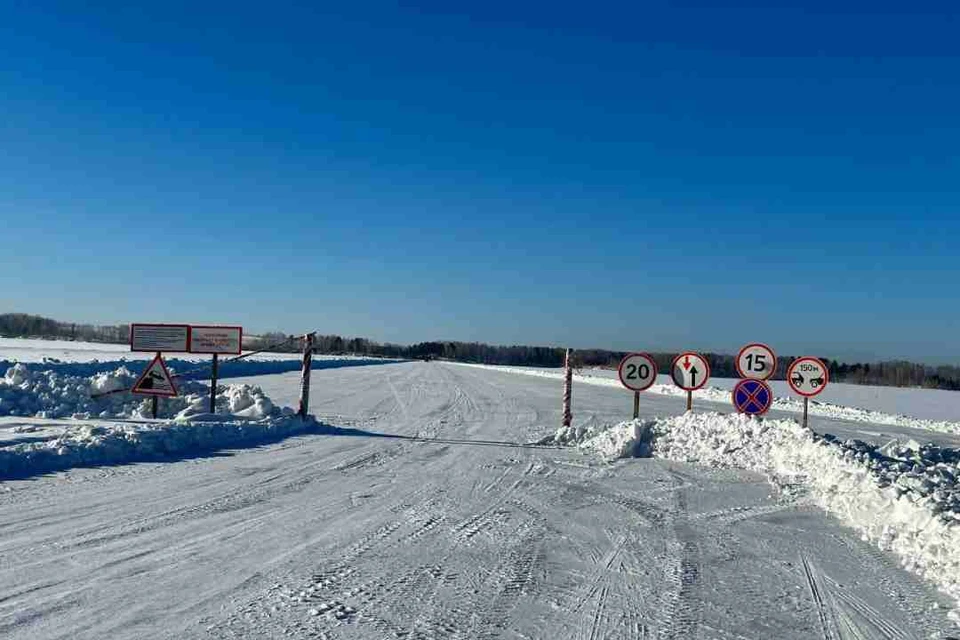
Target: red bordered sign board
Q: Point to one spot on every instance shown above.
(690, 371)
(159, 337)
(215, 339)
(756, 361)
(155, 380)
(752, 397)
(637, 371)
(808, 376)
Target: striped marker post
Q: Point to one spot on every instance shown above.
(567, 390)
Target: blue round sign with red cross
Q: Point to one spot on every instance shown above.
(752, 397)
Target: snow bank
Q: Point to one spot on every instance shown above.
(95, 444)
(786, 404)
(904, 497)
(47, 394)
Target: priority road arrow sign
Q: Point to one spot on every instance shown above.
(690, 371)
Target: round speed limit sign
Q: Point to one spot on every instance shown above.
(756, 362)
(637, 371)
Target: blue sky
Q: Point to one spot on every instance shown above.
(656, 176)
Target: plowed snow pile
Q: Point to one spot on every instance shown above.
(96, 434)
(28, 392)
(904, 497)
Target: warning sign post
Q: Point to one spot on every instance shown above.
(215, 340)
(690, 371)
(155, 381)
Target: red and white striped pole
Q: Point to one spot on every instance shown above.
(305, 376)
(567, 389)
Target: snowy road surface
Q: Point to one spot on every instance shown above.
(365, 536)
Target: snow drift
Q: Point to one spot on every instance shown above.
(903, 497)
(101, 444)
(96, 435)
(45, 393)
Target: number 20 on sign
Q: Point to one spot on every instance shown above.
(638, 372)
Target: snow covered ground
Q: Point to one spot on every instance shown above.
(420, 512)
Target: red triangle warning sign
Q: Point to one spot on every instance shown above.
(155, 380)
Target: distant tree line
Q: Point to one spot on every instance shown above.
(22, 325)
(895, 374)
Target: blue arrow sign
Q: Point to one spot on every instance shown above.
(752, 397)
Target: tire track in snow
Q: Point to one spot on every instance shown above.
(907, 592)
(824, 613)
(682, 575)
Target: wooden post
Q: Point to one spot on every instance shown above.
(213, 385)
(154, 406)
(636, 405)
(689, 400)
(806, 402)
(305, 376)
(567, 390)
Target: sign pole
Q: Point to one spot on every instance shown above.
(689, 400)
(213, 384)
(156, 400)
(567, 389)
(806, 402)
(305, 376)
(636, 405)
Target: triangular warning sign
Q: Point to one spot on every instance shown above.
(155, 380)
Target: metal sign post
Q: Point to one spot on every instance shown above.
(637, 372)
(154, 404)
(690, 371)
(213, 384)
(215, 340)
(807, 376)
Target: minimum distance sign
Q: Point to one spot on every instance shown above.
(637, 371)
(808, 376)
(690, 371)
(756, 361)
(752, 397)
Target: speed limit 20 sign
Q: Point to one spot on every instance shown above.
(756, 361)
(637, 371)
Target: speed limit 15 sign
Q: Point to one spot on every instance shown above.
(637, 371)
(756, 361)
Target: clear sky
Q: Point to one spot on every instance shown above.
(655, 175)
